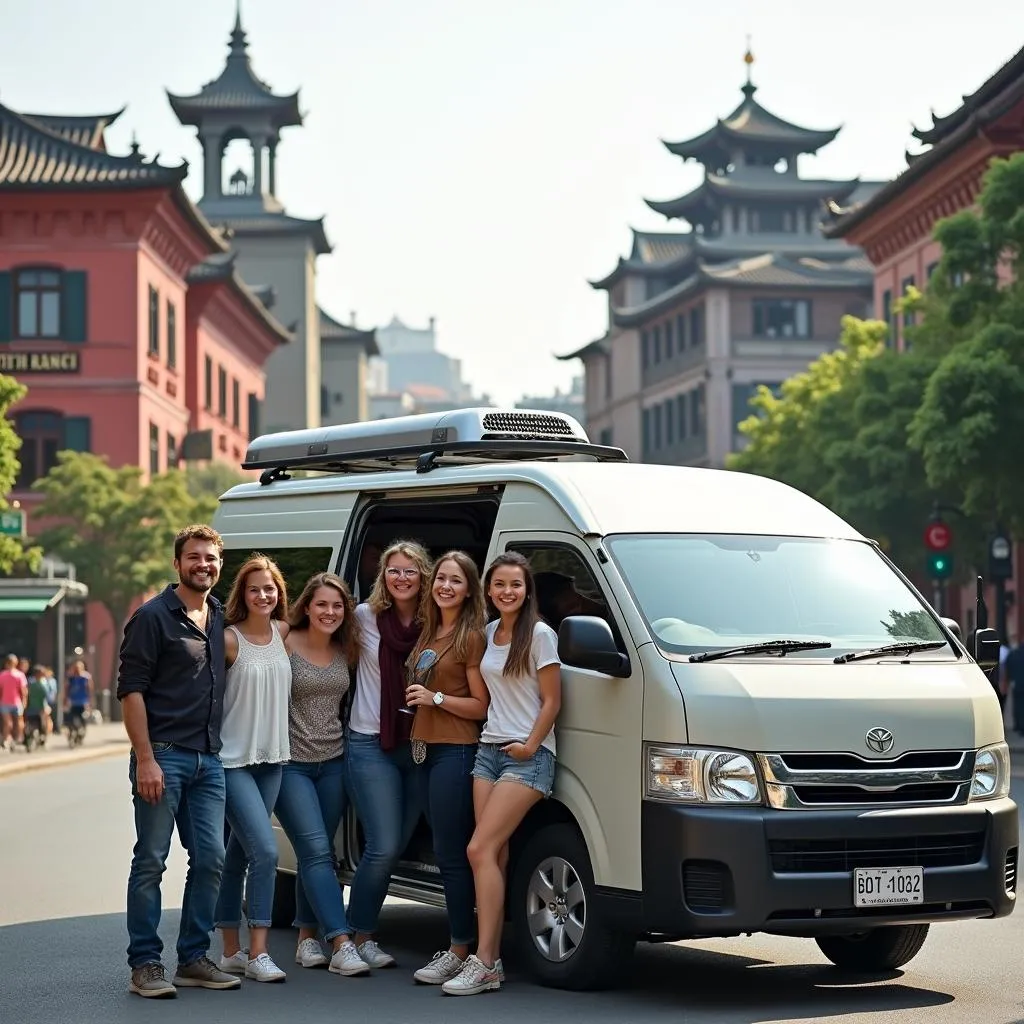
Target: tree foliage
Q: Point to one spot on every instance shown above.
(12, 552)
(207, 483)
(116, 530)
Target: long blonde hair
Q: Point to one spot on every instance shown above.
(472, 615)
(380, 599)
(235, 610)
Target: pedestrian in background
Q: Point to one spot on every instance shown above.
(171, 687)
(254, 737)
(13, 691)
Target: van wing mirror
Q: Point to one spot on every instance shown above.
(586, 641)
(954, 627)
(986, 648)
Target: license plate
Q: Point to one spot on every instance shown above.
(887, 887)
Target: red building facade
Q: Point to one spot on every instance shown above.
(120, 309)
(895, 227)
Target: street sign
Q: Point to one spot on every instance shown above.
(12, 522)
(937, 536)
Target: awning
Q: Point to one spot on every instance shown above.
(34, 597)
(23, 605)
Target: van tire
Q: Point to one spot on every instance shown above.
(879, 949)
(282, 914)
(602, 955)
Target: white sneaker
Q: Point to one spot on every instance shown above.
(474, 978)
(347, 961)
(374, 955)
(262, 968)
(499, 967)
(443, 966)
(235, 964)
(310, 954)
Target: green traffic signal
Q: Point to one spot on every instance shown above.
(940, 565)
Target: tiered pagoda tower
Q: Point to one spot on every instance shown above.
(747, 294)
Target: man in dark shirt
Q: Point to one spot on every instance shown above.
(171, 688)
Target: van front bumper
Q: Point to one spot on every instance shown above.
(724, 870)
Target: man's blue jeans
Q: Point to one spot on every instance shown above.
(252, 849)
(385, 791)
(310, 808)
(194, 798)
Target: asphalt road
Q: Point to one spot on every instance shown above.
(65, 845)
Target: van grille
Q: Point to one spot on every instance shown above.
(526, 425)
(707, 886)
(914, 794)
(810, 856)
(919, 759)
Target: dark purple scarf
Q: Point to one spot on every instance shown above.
(396, 644)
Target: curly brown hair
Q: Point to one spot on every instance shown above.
(347, 637)
(235, 610)
(197, 531)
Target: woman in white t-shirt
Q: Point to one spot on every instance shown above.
(515, 761)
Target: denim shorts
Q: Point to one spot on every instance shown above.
(494, 765)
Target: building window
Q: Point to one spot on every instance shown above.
(236, 412)
(657, 345)
(645, 350)
(668, 340)
(930, 271)
(608, 375)
(656, 417)
(222, 392)
(670, 426)
(37, 303)
(908, 315)
(697, 411)
(154, 321)
(681, 332)
(172, 337)
(697, 325)
(770, 221)
(43, 434)
(172, 451)
(681, 414)
(208, 383)
(154, 449)
(887, 316)
(645, 431)
(253, 419)
(782, 318)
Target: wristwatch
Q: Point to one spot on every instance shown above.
(438, 698)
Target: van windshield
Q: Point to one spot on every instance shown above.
(701, 592)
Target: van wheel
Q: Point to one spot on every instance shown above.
(282, 914)
(879, 949)
(557, 930)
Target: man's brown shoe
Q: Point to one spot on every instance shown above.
(150, 982)
(204, 973)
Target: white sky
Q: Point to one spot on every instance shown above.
(479, 160)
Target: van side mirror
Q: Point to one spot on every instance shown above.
(954, 627)
(986, 648)
(586, 641)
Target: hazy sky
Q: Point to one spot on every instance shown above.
(478, 161)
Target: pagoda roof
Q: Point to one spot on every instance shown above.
(651, 252)
(220, 267)
(84, 129)
(237, 91)
(751, 127)
(593, 348)
(767, 270)
(942, 127)
(34, 157)
(263, 225)
(334, 330)
(715, 188)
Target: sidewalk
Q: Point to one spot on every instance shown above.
(106, 740)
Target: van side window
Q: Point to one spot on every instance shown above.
(296, 565)
(565, 584)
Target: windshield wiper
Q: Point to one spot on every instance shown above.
(777, 647)
(908, 647)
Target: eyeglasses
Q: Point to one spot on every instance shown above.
(401, 574)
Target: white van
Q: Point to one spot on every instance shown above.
(765, 728)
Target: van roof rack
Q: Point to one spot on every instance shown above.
(424, 442)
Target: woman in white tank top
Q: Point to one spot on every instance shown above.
(254, 734)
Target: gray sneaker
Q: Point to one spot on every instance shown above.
(150, 982)
(204, 973)
(443, 966)
(474, 978)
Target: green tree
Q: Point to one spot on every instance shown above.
(116, 530)
(207, 483)
(13, 553)
(972, 414)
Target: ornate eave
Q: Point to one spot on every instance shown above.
(332, 330)
(83, 129)
(237, 91)
(593, 348)
(652, 253)
(271, 224)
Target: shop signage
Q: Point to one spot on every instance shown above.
(39, 362)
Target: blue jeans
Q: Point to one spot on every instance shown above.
(384, 790)
(193, 798)
(310, 808)
(446, 794)
(251, 795)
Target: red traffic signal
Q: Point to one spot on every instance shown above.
(937, 536)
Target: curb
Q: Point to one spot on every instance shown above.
(29, 763)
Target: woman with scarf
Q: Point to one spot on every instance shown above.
(380, 772)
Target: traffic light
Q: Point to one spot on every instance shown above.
(940, 565)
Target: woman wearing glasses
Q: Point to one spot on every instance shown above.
(451, 699)
(379, 766)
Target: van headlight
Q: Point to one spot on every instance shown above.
(991, 779)
(699, 776)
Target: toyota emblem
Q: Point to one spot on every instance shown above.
(879, 740)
